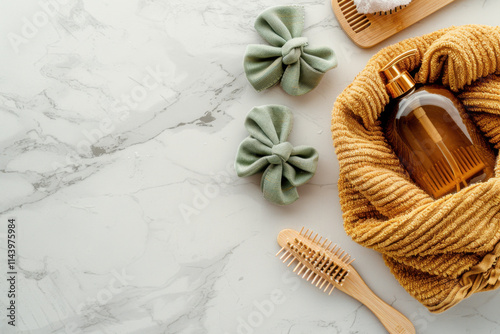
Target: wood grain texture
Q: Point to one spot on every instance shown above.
(371, 29)
(321, 263)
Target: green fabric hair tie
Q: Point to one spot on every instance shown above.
(289, 58)
(266, 150)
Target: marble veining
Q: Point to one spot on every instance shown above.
(119, 126)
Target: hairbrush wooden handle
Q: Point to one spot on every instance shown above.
(392, 319)
(321, 263)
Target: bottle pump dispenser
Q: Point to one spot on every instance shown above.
(432, 134)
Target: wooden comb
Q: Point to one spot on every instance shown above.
(441, 180)
(455, 168)
(367, 30)
(329, 266)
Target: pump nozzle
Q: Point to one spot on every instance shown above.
(399, 82)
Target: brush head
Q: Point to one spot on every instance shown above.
(317, 261)
(326, 265)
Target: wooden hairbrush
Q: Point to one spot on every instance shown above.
(329, 267)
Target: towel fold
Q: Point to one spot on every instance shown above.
(376, 6)
(444, 250)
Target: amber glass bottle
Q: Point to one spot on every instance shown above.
(432, 134)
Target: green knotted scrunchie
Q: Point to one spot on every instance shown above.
(266, 150)
(289, 58)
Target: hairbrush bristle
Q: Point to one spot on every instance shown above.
(317, 263)
(329, 267)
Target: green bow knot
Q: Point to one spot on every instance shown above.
(292, 50)
(267, 150)
(288, 59)
(281, 152)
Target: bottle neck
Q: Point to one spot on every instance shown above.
(400, 84)
(409, 92)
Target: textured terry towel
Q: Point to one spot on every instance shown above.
(375, 6)
(441, 251)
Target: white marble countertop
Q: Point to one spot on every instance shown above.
(120, 121)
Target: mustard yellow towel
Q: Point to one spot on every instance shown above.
(441, 251)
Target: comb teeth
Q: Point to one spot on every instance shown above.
(440, 178)
(391, 11)
(357, 21)
(324, 265)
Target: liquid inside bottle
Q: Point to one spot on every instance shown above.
(436, 141)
